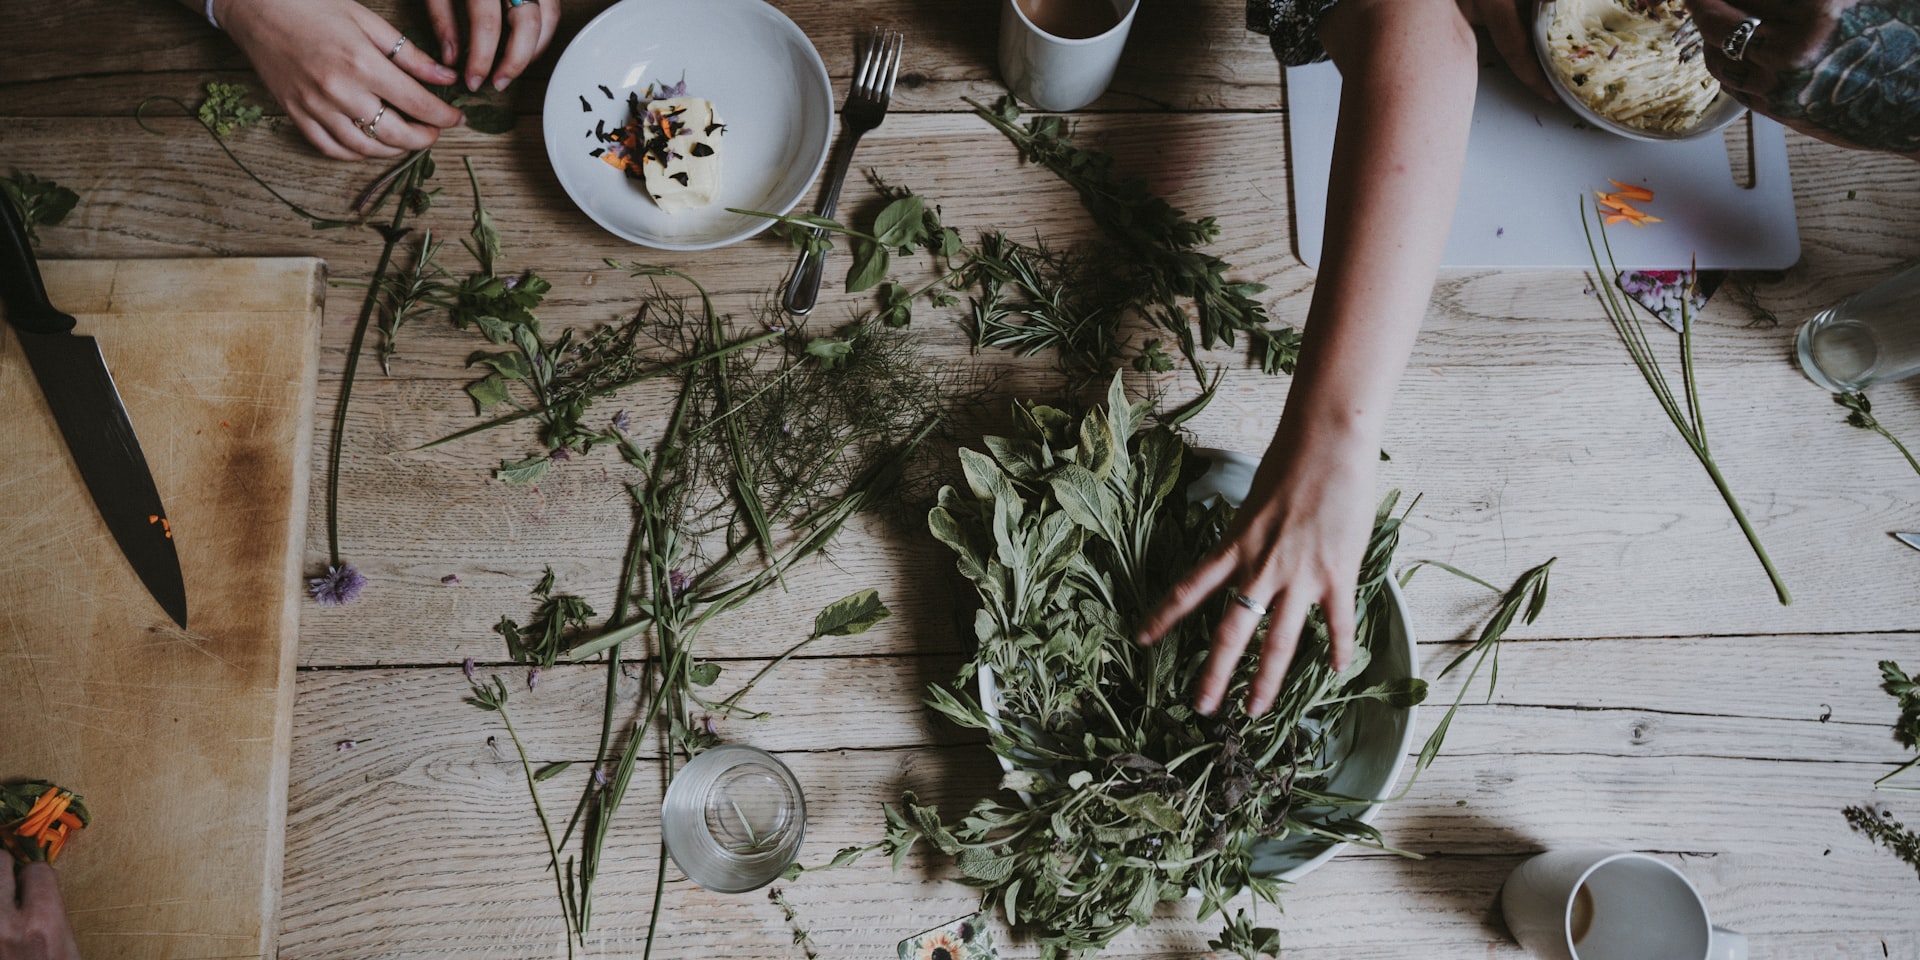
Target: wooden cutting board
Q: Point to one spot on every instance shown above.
(177, 740)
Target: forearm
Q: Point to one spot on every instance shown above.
(1408, 73)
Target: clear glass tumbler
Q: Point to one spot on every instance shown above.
(1871, 337)
(733, 818)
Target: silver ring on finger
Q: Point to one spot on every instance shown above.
(1735, 46)
(394, 50)
(517, 4)
(370, 127)
(1248, 602)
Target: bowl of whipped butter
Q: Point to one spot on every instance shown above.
(1624, 67)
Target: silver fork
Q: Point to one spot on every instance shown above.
(867, 99)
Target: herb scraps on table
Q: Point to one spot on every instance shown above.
(38, 819)
(1876, 821)
(1029, 297)
(1684, 409)
(225, 109)
(1861, 416)
(41, 202)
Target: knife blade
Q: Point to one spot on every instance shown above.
(1910, 539)
(86, 405)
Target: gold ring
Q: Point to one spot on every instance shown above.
(367, 126)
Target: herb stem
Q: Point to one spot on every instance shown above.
(553, 851)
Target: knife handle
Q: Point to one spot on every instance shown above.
(20, 288)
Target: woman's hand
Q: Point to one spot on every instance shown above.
(33, 921)
(529, 26)
(1839, 70)
(1510, 25)
(344, 78)
(1296, 542)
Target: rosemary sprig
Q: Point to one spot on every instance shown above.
(1684, 411)
(1862, 417)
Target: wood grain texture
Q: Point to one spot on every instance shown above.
(1663, 703)
(177, 739)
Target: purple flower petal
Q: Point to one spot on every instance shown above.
(560, 453)
(345, 745)
(533, 677)
(621, 421)
(466, 667)
(340, 585)
(678, 582)
(450, 579)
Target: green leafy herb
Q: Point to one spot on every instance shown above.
(1862, 417)
(225, 109)
(557, 619)
(1152, 359)
(1242, 939)
(1685, 411)
(1880, 827)
(40, 202)
(1070, 531)
(801, 938)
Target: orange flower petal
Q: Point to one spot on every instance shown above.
(1631, 192)
(1614, 219)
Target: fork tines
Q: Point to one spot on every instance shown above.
(879, 66)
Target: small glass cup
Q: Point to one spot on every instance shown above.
(733, 818)
(1871, 337)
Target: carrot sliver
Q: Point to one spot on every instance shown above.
(1615, 219)
(1631, 192)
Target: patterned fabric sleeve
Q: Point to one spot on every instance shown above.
(1291, 26)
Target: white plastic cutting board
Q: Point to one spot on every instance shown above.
(1526, 166)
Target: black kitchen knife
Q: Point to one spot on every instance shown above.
(79, 390)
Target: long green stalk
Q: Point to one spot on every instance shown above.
(1691, 423)
(553, 851)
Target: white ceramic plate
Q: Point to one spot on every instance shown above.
(1370, 748)
(766, 82)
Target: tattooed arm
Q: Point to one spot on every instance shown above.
(1845, 71)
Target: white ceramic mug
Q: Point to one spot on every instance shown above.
(1608, 905)
(1059, 73)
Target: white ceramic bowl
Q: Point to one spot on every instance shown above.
(1369, 750)
(767, 84)
(1724, 110)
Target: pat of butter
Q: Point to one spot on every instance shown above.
(685, 173)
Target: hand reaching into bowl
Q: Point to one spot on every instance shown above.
(355, 87)
(1509, 25)
(1838, 70)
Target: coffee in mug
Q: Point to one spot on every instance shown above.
(1071, 19)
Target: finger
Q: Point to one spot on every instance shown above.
(402, 133)
(416, 101)
(523, 41)
(1508, 29)
(323, 139)
(445, 30)
(424, 68)
(40, 892)
(1716, 19)
(483, 39)
(357, 141)
(1276, 656)
(1186, 596)
(549, 23)
(1338, 607)
(1737, 76)
(1230, 638)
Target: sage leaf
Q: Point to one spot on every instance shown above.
(522, 472)
(849, 615)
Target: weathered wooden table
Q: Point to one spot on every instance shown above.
(1663, 703)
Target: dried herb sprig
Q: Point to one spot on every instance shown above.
(1880, 827)
(1685, 411)
(557, 619)
(801, 937)
(1862, 417)
(41, 202)
(225, 109)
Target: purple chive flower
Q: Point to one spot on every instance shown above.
(450, 579)
(533, 677)
(621, 421)
(678, 581)
(466, 667)
(599, 778)
(510, 282)
(560, 453)
(670, 90)
(345, 745)
(342, 584)
(706, 723)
